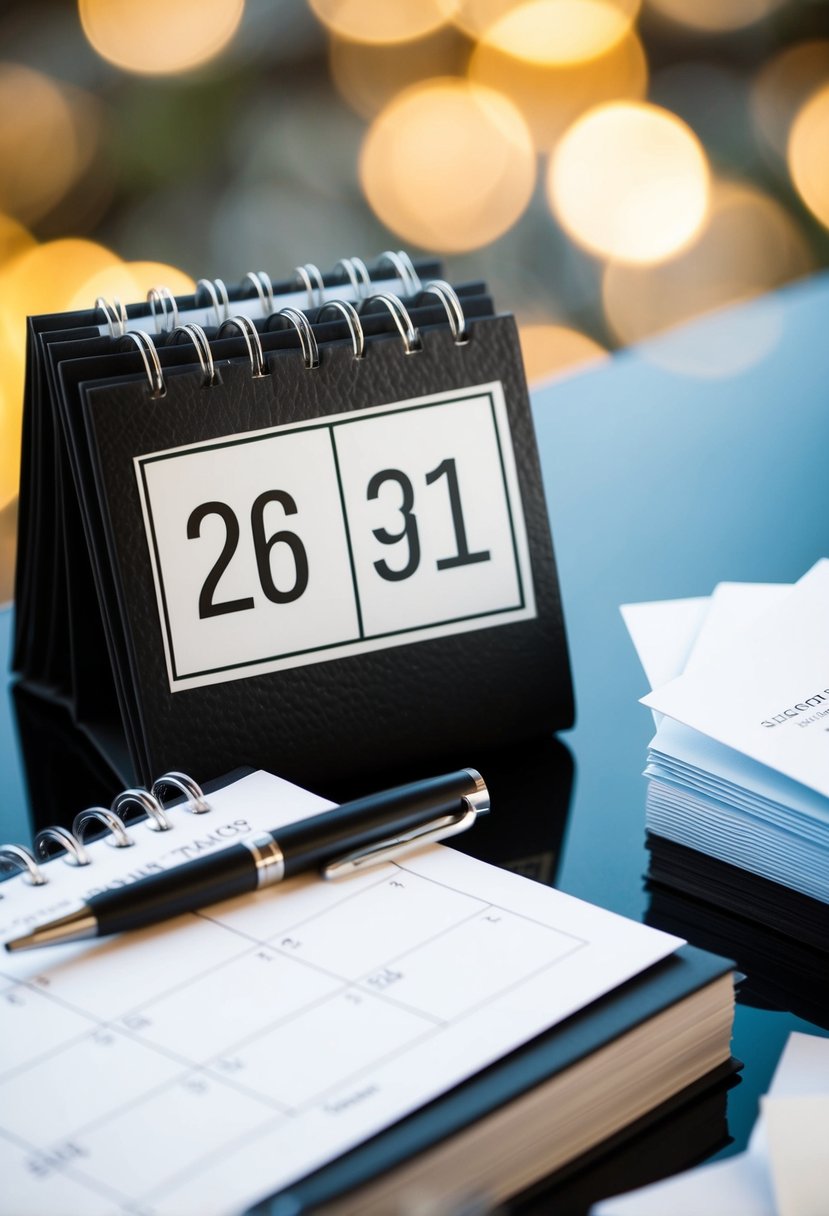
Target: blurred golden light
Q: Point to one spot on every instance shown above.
(448, 165)
(38, 144)
(550, 350)
(40, 280)
(715, 16)
(809, 155)
(158, 37)
(475, 17)
(383, 20)
(561, 31)
(8, 546)
(783, 85)
(552, 97)
(14, 239)
(10, 417)
(129, 282)
(368, 75)
(630, 181)
(750, 244)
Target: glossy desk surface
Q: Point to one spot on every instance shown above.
(699, 458)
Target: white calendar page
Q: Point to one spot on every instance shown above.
(197, 1066)
(336, 536)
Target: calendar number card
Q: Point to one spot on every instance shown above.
(301, 543)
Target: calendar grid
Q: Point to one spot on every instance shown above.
(198, 1066)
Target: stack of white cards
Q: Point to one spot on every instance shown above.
(739, 765)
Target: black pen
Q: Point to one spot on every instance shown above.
(367, 831)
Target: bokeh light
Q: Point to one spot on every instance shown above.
(129, 282)
(42, 279)
(552, 96)
(448, 165)
(39, 148)
(749, 245)
(630, 182)
(551, 350)
(561, 31)
(809, 155)
(14, 239)
(781, 88)
(383, 20)
(715, 16)
(159, 37)
(369, 74)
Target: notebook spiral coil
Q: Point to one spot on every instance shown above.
(113, 819)
(409, 333)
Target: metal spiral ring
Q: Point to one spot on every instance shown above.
(308, 342)
(152, 364)
(115, 314)
(196, 803)
(251, 336)
(358, 276)
(100, 814)
(454, 311)
(199, 339)
(219, 298)
(264, 289)
(404, 268)
(150, 805)
(60, 836)
(164, 297)
(316, 289)
(400, 315)
(17, 855)
(358, 337)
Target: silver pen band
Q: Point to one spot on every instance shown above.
(269, 859)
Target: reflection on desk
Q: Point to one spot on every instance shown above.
(778, 938)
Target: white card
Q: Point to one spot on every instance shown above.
(768, 696)
(335, 536)
(796, 1136)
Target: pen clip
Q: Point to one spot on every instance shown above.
(405, 842)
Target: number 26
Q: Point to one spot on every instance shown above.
(262, 547)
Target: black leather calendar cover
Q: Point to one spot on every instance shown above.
(329, 720)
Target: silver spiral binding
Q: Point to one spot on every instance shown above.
(352, 317)
(310, 276)
(448, 297)
(15, 854)
(115, 315)
(199, 339)
(249, 333)
(112, 819)
(412, 341)
(404, 268)
(145, 800)
(63, 838)
(102, 814)
(196, 802)
(356, 272)
(264, 289)
(219, 298)
(163, 297)
(152, 363)
(307, 339)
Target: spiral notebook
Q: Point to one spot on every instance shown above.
(309, 536)
(206, 1063)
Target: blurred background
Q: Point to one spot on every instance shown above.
(611, 167)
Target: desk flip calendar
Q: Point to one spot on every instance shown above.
(317, 539)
